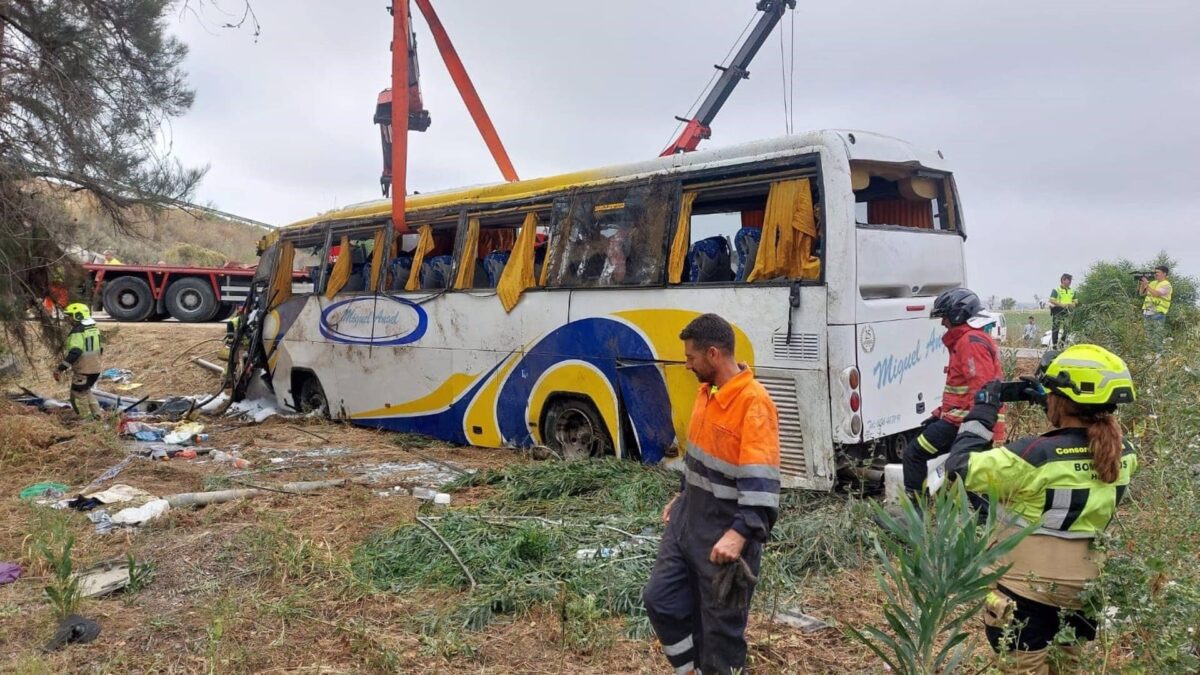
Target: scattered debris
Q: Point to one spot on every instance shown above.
(73, 629)
(103, 578)
(45, 489)
(418, 472)
(222, 457)
(122, 493)
(109, 473)
(183, 433)
(118, 375)
(220, 496)
(103, 521)
(9, 572)
(137, 515)
(793, 617)
(395, 491)
(208, 365)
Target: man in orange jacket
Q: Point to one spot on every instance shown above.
(974, 361)
(716, 527)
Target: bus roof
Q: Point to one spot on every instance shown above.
(858, 145)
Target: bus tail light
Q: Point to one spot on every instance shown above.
(855, 402)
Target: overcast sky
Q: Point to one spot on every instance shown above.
(1070, 125)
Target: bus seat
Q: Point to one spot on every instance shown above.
(481, 277)
(437, 272)
(746, 242)
(399, 269)
(493, 266)
(709, 261)
(357, 280)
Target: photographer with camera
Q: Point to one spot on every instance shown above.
(1062, 301)
(974, 361)
(1158, 301)
(1070, 480)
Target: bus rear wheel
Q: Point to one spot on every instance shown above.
(574, 429)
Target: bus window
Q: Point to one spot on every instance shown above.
(308, 260)
(726, 227)
(482, 261)
(612, 237)
(900, 196)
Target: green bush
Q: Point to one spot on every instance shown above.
(1109, 304)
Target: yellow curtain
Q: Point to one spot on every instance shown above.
(340, 273)
(683, 237)
(281, 283)
(789, 230)
(376, 260)
(518, 273)
(470, 255)
(424, 246)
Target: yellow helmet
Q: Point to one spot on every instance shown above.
(1088, 375)
(78, 311)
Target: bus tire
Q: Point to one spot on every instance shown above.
(311, 398)
(573, 428)
(128, 299)
(191, 300)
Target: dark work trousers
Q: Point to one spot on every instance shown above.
(934, 441)
(694, 632)
(1058, 329)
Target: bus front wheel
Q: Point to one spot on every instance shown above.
(574, 429)
(312, 397)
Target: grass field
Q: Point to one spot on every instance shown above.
(1016, 318)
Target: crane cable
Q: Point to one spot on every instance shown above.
(715, 75)
(787, 76)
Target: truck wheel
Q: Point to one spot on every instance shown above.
(128, 299)
(192, 300)
(574, 429)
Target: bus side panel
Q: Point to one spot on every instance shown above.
(791, 367)
(903, 372)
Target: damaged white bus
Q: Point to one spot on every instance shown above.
(547, 311)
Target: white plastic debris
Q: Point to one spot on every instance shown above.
(141, 514)
(441, 499)
(424, 493)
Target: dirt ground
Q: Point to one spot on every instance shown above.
(263, 584)
(157, 353)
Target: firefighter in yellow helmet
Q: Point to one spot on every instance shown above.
(82, 359)
(1070, 480)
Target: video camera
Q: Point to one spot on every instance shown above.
(1141, 275)
(1025, 389)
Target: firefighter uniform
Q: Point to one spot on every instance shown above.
(82, 358)
(974, 361)
(730, 481)
(1047, 479)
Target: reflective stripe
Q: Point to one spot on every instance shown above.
(685, 668)
(957, 390)
(679, 647)
(975, 427)
(743, 471)
(718, 491)
(956, 413)
(758, 499)
(1056, 515)
(924, 443)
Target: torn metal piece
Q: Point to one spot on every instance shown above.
(793, 617)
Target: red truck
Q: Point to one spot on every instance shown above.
(189, 294)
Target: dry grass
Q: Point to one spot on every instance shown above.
(264, 584)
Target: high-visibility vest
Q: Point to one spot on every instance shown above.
(85, 338)
(1156, 303)
(1064, 295)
